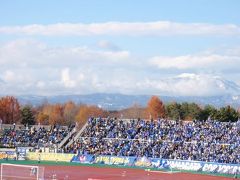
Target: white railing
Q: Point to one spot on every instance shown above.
(67, 137)
(77, 135)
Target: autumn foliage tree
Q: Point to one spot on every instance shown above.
(43, 114)
(155, 108)
(61, 114)
(133, 112)
(51, 114)
(86, 112)
(9, 110)
(56, 115)
(69, 112)
(42, 118)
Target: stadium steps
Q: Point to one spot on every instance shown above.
(66, 139)
(77, 135)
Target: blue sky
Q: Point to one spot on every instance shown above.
(133, 47)
(75, 11)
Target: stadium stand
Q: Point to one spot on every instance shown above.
(33, 136)
(210, 141)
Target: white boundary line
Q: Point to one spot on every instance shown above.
(163, 172)
(22, 166)
(19, 165)
(17, 177)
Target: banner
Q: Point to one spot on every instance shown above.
(199, 166)
(203, 166)
(82, 158)
(50, 156)
(221, 168)
(184, 165)
(7, 155)
(160, 163)
(143, 162)
(126, 161)
(21, 153)
(115, 160)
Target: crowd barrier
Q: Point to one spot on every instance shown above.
(159, 163)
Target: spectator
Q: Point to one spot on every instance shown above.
(202, 141)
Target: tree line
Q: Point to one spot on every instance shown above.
(70, 113)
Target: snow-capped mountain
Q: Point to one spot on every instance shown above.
(182, 88)
(188, 84)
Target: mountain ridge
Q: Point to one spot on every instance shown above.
(117, 101)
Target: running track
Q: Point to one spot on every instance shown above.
(103, 173)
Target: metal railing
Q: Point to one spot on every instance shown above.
(70, 134)
(77, 135)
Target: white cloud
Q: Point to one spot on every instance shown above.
(31, 67)
(23, 53)
(199, 61)
(41, 84)
(66, 80)
(9, 76)
(191, 85)
(1, 81)
(157, 28)
(15, 76)
(108, 45)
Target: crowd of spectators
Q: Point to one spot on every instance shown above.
(210, 140)
(36, 137)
